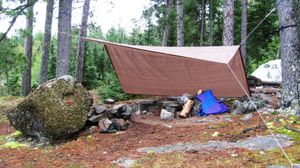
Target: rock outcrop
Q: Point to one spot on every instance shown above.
(56, 109)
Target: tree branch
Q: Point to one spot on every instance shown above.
(19, 11)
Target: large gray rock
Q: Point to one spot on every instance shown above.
(55, 109)
(269, 72)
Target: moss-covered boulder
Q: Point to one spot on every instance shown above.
(56, 109)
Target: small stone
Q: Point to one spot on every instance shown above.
(215, 134)
(166, 102)
(236, 107)
(145, 101)
(127, 113)
(119, 108)
(184, 98)
(120, 124)
(173, 98)
(91, 112)
(106, 126)
(138, 112)
(109, 114)
(125, 162)
(247, 117)
(234, 155)
(165, 115)
(100, 109)
(228, 119)
(168, 126)
(96, 118)
(109, 101)
(201, 121)
(92, 129)
(171, 109)
(262, 152)
(173, 106)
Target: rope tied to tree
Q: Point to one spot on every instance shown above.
(281, 28)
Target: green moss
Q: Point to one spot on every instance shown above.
(13, 145)
(2, 140)
(213, 127)
(7, 103)
(76, 165)
(274, 112)
(3, 118)
(293, 151)
(8, 141)
(273, 157)
(16, 134)
(279, 128)
(270, 125)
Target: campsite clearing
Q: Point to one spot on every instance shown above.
(91, 149)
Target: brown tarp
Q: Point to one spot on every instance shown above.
(178, 70)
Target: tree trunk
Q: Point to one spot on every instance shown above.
(202, 30)
(244, 30)
(81, 43)
(211, 21)
(180, 28)
(298, 7)
(228, 22)
(26, 78)
(167, 27)
(47, 42)
(64, 38)
(290, 54)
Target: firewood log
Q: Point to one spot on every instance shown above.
(186, 109)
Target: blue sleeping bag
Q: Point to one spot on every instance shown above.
(210, 104)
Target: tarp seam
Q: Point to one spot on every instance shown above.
(131, 47)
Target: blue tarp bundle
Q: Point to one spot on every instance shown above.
(210, 104)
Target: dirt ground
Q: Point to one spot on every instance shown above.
(92, 149)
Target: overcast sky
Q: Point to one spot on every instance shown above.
(107, 13)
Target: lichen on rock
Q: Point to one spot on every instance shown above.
(56, 109)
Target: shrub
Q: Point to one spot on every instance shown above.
(111, 88)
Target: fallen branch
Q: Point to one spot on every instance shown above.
(253, 128)
(291, 129)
